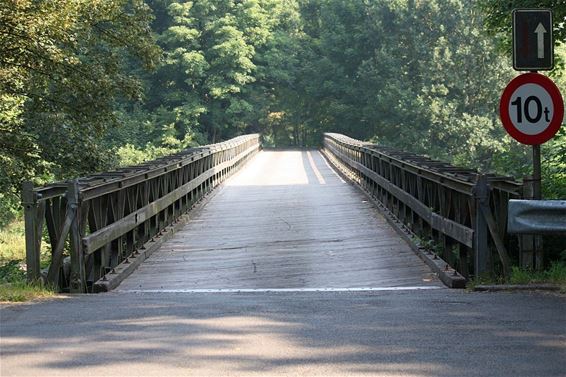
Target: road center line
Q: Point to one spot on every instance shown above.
(315, 169)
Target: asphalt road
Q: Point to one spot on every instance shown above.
(390, 333)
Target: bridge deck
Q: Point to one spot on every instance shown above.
(287, 220)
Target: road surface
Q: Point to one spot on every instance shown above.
(384, 333)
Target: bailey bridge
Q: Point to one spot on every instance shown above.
(234, 217)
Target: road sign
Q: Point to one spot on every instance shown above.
(533, 45)
(531, 109)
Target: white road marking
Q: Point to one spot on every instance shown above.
(331, 168)
(276, 290)
(315, 169)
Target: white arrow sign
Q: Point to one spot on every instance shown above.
(540, 31)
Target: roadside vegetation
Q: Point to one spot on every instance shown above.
(18, 290)
(554, 275)
(90, 85)
(13, 284)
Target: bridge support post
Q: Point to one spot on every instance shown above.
(33, 234)
(481, 248)
(78, 282)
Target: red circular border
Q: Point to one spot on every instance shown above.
(555, 122)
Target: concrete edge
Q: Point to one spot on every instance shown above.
(448, 275)
(113, 279)
(517, 287)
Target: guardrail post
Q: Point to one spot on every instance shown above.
(33, 240)
(481, 248)
(77, 281)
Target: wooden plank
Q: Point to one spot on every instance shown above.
(276, 224)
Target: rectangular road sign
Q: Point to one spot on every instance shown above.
(533, 45)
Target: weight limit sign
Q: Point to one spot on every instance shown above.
(531, 109)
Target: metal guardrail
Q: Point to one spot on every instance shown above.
(460, 211)
(543, 217)
(104, 219)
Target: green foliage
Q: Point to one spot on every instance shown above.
(12, 242)
(9, 207)
(13, 285)
(554, 166)
(211, 52)
(20, 291)
(12, 272)
(555, 274)
(421, 76)
(62, 75)
(498, 17)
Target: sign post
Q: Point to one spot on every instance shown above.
(531, 107)
(532, 110)
(533, 50)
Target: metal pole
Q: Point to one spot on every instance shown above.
(537, 191)
(526, 241)
(537, 195)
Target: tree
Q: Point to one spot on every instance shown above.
(62, 72)
(499, 23)
(416, 75)
(498, 16)
(211, 54)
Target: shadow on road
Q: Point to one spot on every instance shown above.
(425, 333)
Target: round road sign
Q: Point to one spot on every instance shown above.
(531, 109)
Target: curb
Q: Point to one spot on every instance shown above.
(516, 287)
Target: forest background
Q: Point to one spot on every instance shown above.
(90, 85)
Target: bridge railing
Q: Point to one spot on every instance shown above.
(105, 221)
(457, 212)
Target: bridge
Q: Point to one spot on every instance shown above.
(350, 216)
(228, 259)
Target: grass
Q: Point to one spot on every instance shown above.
(13, 284)
(555, 274)
(12, 242)
(22, 291)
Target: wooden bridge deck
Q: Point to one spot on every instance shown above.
(286, 221)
